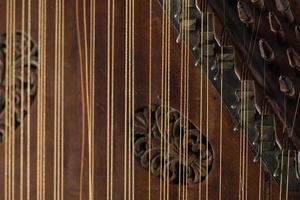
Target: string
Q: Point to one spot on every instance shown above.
(82, 100)
(181, 181)
(88, 91)
(241, 133)
(22, 104)
(221, 127)
(44, 99)
(62, 98)
(40, 113)
(282, 151)
(207, 100)
(260, 143)
(287, 175)
(248, 86)
(28, 100)
(55, 101)
(130, 98)
(6, 109)
(161, 184)
(185, 97)
(201, 105)
(184, 35)
(92, 92)
(149, 100)
(6, 174)
(59, 185)
(112, 97)
(108, 99)
(221, 110)
(187, 100)
(126, 100)
(168, 98)
(241, 142)
(7, 138)
(59, 99)
(38, 102)
(11, 134)
(13, 99)
(244, 129)
(11, 103)
(133, 98)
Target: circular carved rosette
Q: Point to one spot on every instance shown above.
(22, 84)
(178, 151)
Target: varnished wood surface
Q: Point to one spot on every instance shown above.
(73, 112)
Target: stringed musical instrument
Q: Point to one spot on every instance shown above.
(156, 99)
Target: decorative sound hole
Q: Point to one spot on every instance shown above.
(18, 82)
(200, 155)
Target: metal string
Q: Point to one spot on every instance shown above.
(282, 153)
(44, 100)
(22, 105)
(150, 99)
(126, 99)
(162, 109)
(133, 97)
(187, 102)
(207, 101)
(181, 181)
(260, 144)
(108, 197)
(82, 99)
(201, 105)
(28, 101)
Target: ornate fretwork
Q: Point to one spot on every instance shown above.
(200, 153)
(28, 57)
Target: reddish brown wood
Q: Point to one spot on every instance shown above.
(73, 112)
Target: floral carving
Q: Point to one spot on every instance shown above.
(166, 151)
(29, 59)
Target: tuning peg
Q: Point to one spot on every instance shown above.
(266, 51)
(233, 106)
(294, 58)
(265, 137)
(237, 128)
(217, 76)
(283, 6)
(179, 38)
(245, 13)
(277, 170)
(259, 3)
(286, 86)
(275, 26)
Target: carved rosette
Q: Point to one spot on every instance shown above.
(30, 59)
(167, 147)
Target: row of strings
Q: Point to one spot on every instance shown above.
(10, 186)
(9, 139)
(24, 73)
(87, 79)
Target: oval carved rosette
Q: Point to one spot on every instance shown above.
(169, 139)
(29, 59)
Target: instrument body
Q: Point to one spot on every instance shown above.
(76, 165)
